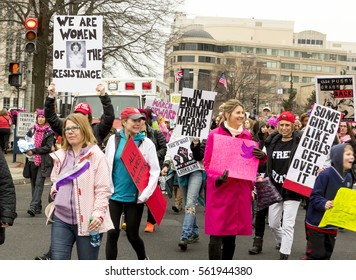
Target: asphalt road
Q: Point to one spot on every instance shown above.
(30, 237)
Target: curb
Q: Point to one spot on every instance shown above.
(21, 181)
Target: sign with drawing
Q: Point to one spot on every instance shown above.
(337, 92)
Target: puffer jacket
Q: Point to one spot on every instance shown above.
(92, 189)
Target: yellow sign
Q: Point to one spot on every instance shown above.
(343, 214)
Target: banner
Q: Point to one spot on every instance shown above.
(182, 156)
(195, 113)
(235, 155)
(313, 149)
(140, 173)
(337, 92)
(343, 212)
(77, 53)
(167, 110)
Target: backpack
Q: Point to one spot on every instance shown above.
(106, 139)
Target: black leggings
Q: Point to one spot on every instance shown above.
(222, 247)
(133, 215)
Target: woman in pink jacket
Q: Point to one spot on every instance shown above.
(228, 200)
(81, 191)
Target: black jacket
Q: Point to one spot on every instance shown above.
(44, 150)
(270, 144)
(100, 130)
(159, 140)
(7, 193)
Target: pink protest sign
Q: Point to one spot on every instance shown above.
(140, 173)
(235, 155)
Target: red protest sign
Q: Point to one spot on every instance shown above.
(140, 173)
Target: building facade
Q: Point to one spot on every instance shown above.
(267, 53)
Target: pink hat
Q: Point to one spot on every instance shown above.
(131, 113)
(286, 116)
(143, 111)
(272, 121)
(39, 112)
(83, 108)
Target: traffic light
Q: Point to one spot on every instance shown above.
(15, 77)
(254, 101)
(31, 25)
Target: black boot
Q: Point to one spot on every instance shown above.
(283, 256)
(214, 251)
(256, 246)
(228, 252)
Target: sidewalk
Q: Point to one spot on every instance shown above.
(16, 168)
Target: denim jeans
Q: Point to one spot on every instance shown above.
(63, 237)
(190, 196)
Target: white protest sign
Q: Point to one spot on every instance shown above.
(182, 156)
(167, 110)
(195, 113)
(313, 149)
(24, 122)
(337, 92)
(77, 53)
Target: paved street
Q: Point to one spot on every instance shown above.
(30, 237)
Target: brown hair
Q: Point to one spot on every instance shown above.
(85, 128)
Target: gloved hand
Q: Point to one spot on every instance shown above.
(222, 179)
(258, 153)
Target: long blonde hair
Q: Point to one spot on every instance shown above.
(85, 128)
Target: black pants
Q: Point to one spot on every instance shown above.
(133, 215)
(260, 222)
(222, 247)
(150, 218)
(4, 138)
(320, 245)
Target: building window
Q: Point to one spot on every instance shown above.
(292, 66)
(15, 102)
(329, 69)
(186, 58)
(206, 59)
(6, 102)
(308, 80)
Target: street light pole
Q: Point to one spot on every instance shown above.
(258, 90)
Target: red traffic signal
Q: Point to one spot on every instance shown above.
(31, 25)
(14, 68)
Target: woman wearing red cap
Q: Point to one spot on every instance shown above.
(281, 147)
(126, 198)
(41, 163)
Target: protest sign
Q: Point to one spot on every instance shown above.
(343, 212)
(182, 156)
(165, 109)
(77, 53)
(313, 149)
(24, 122)
(140, 173)
(337, 92)
(235, 155)
(195, 113)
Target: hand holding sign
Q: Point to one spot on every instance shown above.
(52, 90)
(100, 90)
(222, 179)
(258, 153)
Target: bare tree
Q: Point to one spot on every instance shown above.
(134, 32)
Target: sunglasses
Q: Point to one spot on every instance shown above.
(270, 126)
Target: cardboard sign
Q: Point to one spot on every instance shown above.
(140, 173)
(195, 113)
(77, 53)
(313, 149)
(24, 122)
(165, 109)
(343, 213)
(235, 155)
(337, 92)
(182, 156)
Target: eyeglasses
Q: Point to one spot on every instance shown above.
(270, 126)
(71, 128)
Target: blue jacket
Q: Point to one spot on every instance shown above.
(326, 186)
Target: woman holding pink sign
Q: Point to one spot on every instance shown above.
(228, 200)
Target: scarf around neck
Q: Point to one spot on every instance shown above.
(38, 138)
(233, 131)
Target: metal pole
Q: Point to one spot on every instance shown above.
(28, 95)
(258, 91)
